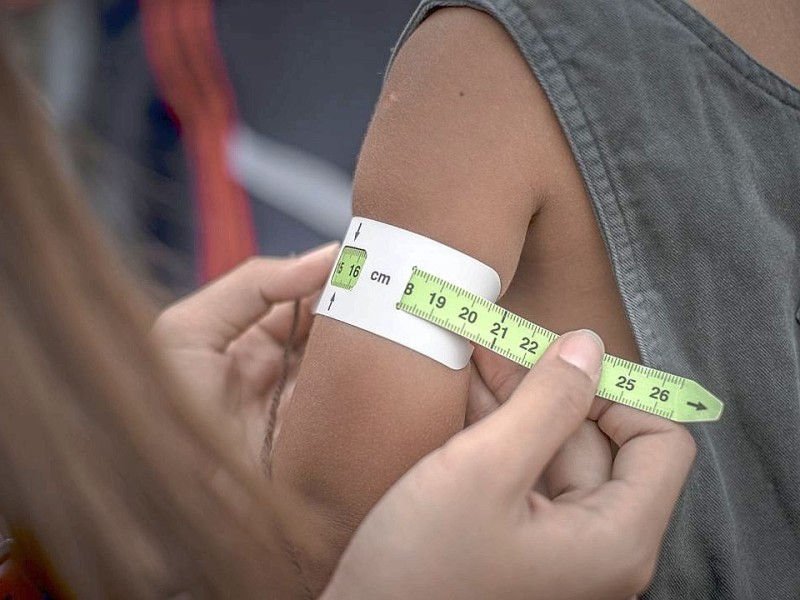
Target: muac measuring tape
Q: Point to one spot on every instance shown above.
(401, 286)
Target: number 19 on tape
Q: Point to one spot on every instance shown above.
(442, 303)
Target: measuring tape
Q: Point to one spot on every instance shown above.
(486, 324)
(466, 314)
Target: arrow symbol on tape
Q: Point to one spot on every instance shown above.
(697, 405)
(334, 298)
(358, 231)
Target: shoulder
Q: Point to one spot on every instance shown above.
(461, 139)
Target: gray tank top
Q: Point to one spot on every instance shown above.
(690, 151)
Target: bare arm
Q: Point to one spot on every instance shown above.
(460, 150)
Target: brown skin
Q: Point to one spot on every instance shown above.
(465, 148)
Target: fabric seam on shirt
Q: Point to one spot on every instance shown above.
(731, 53)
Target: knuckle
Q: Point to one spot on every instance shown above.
(682, 442)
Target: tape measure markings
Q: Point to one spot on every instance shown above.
(445, 304)
(349, 267)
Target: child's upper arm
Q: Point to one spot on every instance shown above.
(456, 151)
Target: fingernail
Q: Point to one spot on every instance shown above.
(583, 349)
(324, 250)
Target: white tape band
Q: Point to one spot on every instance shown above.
(374, 266)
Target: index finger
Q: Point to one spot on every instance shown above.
(218, 313)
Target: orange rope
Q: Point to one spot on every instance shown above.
(182, 49)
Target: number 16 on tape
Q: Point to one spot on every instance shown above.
(466, 314)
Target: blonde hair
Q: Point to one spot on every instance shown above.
(109, 477)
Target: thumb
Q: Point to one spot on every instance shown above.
(521, 437)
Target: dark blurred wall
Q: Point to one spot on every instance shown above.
(308, 72)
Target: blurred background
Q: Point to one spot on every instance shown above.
(207, 131)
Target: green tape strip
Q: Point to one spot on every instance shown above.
(347, 270)
(447, 305)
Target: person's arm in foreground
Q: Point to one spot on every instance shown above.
(464, 148)
(366, 409)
